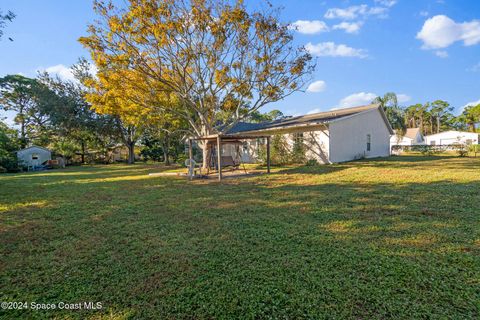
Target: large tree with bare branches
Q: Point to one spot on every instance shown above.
(216, 59)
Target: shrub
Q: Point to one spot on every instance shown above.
(312, 162)
(474, 148)
(462, 150)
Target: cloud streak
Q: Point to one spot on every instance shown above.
(331, 49)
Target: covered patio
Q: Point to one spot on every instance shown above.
(216, 141)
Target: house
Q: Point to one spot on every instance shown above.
(33, 156)
(452, 137)
(329, 137)
(412, 136)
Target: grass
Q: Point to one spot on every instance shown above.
(395, 238)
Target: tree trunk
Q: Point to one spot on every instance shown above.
(23, 138)
(205, 154)
(166, 146)
(131, 152)
(83, 151)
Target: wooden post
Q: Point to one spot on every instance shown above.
(268, 154)
(219, 157)
(190, 155)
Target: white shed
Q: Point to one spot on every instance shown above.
(33, 156)
(452, 137)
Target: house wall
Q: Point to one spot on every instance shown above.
(317, 145)
(396, 140)
(452, 137)
(348, 137)
(25, 156)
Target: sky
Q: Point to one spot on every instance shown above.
(422, 50)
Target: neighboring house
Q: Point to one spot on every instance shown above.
(329, 137)
(412, 137)
(33, 156)
(452, 137)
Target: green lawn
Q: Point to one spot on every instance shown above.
(394, 238)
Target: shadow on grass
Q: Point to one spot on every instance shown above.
(252, 248)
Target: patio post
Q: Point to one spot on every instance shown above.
(190, 155)
(219, 157)
(268, 154)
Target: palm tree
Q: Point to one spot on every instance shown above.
(389, 103)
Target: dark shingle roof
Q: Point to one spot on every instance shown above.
(315, 118)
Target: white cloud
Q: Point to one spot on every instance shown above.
(401, 98)
(65, 73)
(61, 71)
(310, 26)
(355, 12)
(317, 86)
(473, 103)
(330, 49)
(357, 99)
(386, 3)
(475, 68)
(349, 27)
(441, 53)
(440, 32)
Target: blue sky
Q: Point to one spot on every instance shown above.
(423, 50)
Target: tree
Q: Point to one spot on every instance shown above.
(9, 16)
(220, 61)
(71, 116)
(23, 95)
(257, 116)
(442, 111)
(394, 113)
(8, 146)
(471, 117)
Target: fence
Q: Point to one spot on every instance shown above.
(461, 149)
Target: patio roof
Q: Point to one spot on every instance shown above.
(310, 121)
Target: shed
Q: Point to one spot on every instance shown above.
(33, 156)
(452, 137)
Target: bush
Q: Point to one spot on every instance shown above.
(312, 162)
(474, 148)
(425, 150)
(462, 150)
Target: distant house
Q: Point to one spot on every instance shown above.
(329, 137)
(33, 156)
(452, 137)
(412, 136)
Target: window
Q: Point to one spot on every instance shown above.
(298, 137)
(34, 156)
(432, 143)
(369, 142)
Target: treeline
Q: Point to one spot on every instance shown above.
(430, 117)
(54, 113)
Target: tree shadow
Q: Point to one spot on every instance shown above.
(269, 246)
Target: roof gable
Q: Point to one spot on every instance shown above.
(412, 133)
(307, 120)
(32, 147)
